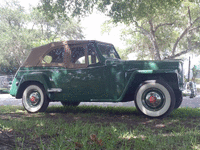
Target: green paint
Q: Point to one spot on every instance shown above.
(145, 71)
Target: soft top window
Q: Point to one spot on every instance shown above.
(54, 56)
(78, 55)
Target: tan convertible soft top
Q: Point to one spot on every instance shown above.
(37, 53)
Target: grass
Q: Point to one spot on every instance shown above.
(95, 128)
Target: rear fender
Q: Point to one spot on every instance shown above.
(33, 78)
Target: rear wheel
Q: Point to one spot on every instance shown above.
(155, 98)
(35, 99)
(70, 103)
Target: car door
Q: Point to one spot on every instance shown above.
(53, 68)
(85, 77)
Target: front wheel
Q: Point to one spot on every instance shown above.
(35, 99)
(155, 98)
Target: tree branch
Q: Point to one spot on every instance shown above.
(151, 25)
(181, 53)
(141, 32)
(194, 28)
(154, 41)
(164, 24)
(141, 28)
(190, 19)
(183, 34)
(178, 54)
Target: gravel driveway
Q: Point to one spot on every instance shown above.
(6, 99)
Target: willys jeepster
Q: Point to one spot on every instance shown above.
(91, 71)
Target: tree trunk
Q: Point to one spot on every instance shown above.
(154, 42)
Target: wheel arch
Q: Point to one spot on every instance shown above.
(32, 78)
(25, 84)
(170, 78)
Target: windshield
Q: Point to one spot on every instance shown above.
(107, 50)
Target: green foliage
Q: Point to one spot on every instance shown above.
(21, 31)
(119, 10)
(56, 29)
(169, 34)
(194, 72)
(127, 11)
(14, 36)
(122, 53)
(66, 8)
(159, 29)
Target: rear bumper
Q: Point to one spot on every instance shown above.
(13, 89)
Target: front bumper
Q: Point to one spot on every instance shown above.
(190, 89)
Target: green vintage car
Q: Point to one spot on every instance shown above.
(91, 71)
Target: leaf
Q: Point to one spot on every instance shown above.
(94, 138)
(100, 142)
(78, 145)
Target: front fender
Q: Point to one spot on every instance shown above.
(136, 77)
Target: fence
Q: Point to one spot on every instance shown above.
(5, 81)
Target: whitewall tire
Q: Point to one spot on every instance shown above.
(155, 98)
(35, 99)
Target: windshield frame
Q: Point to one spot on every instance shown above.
(107, 45)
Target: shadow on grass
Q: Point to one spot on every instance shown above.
(131, 111)
(94, 109)
(177, 113)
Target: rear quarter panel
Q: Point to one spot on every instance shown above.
(27, 76)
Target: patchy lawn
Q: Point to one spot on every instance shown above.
(94, 127)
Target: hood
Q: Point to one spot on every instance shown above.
(152, 65)
(129, 65)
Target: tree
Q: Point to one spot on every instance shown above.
(66, 8)
(15, 38)
(171, 34)
(120, 10)
(21, 31)
(166, 32)
(170, 27)
(57, 28)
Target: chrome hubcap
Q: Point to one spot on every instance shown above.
(153, 99)
(34, 98)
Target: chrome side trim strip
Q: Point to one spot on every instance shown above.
(54, 90)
